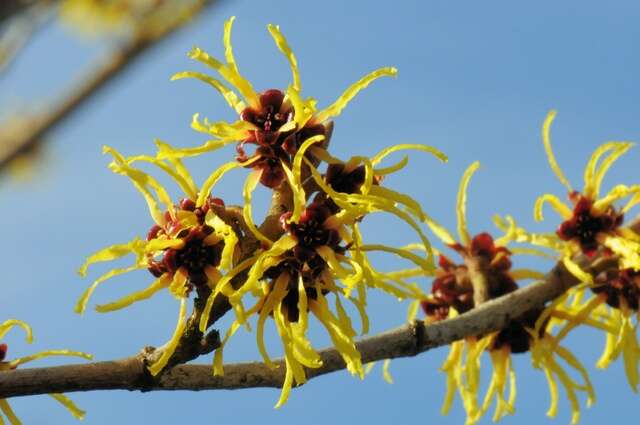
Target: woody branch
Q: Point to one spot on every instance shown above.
(404, 341)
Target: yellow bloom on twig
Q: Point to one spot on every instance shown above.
(5, 365)
(274, 121)
(593, 222)
(592, 225)
(186, 248)
(320, 256)
(486, 273)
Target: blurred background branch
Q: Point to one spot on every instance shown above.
(12, 8)
(19, 136)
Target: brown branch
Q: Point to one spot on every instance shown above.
(9, 9)
(15, 141)
(404, 341)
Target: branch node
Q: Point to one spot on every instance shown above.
(419, 336)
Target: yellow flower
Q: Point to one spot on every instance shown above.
(593, 222)
(611, 308)
(485, 274)
(320, 255)
(276, 122)
(594, 225)
(186, 248)
(5, 408)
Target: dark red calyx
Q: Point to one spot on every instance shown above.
(621, 287)
(153, 232)
(515, 334)
(585, 224)
(269, 162)
(451, 288)
(343, 180)
(3, 351)
(187, 205)
(195, 256)
(310, 231)
(272, 114)
(435, 309)
(290, 301)
(291, 141)
(216, 201)
(483, 245)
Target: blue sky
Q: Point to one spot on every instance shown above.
(475, 80)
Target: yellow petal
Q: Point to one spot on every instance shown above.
(295, 178)
(209, 146)
(282, 44)
(592, 178)
(111, 253)
(461, 208)
(377, 158)
(7, 325)
(386, 375)
(228, 49)
(8, 412)
(546, 140)
(48, 353)
(299, 197)
(352, 91)
(223, 287)
(249, 186)
(159, 284)
(560, 207)
(620, 191)
(229, 74)
(81, 304)
(392, 168)
(142, 182)
(274, 298)
(232, 99)
(69, 405)
(171, 346)
(218, 370)
(522, 274)
(213, 179)
(408, 255)
(577, 271)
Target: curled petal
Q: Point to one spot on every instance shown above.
(461, 208)
(353, 90)
(170, 347)
(546, 140)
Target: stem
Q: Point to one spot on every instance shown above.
(405, 341)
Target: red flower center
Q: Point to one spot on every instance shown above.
(272, 114)
(585, 224)
(302, 261)
(195, 255)
(452, 288)
(621, 287)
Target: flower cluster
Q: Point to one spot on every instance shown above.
(274, 121)
(486, 273)
(5, 365)
(593, 232)
(309, 259)
(186, 248)
(311, 262)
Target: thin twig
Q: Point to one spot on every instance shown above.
(14, 143)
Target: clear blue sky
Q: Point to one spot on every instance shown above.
(476, 80)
